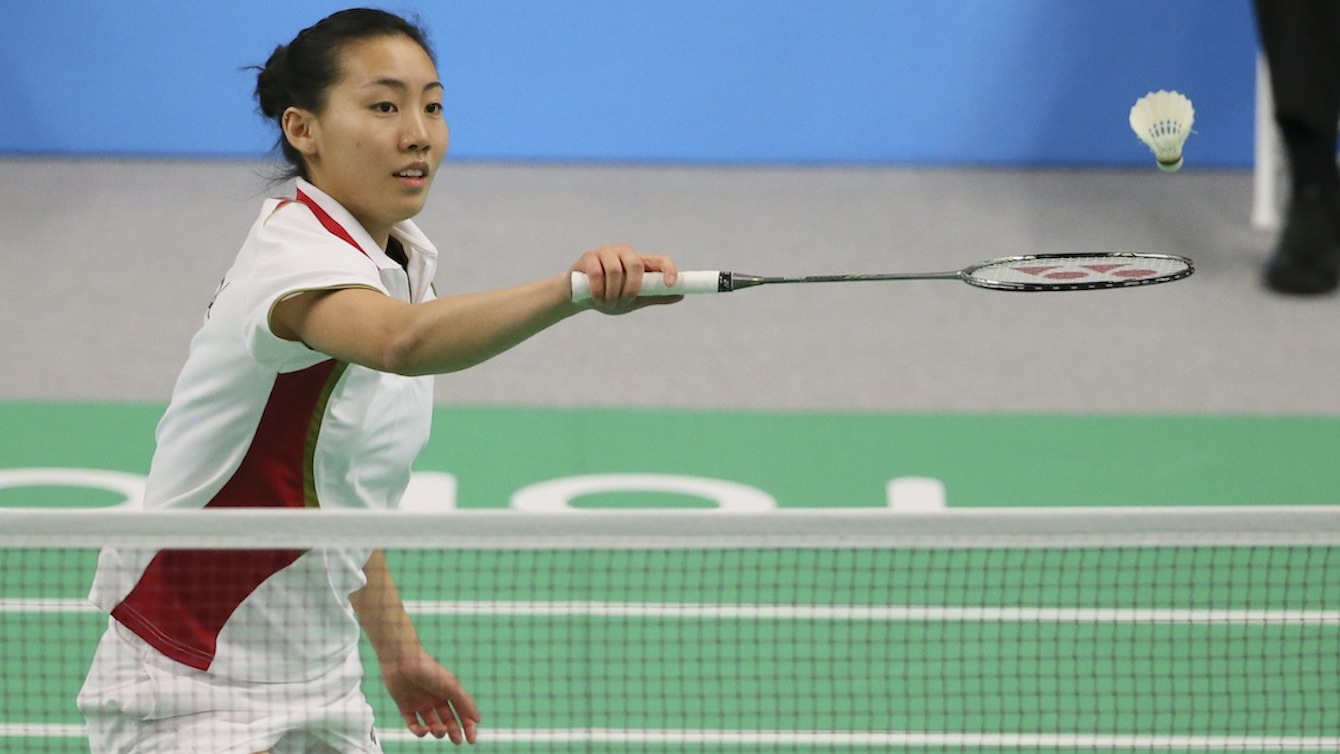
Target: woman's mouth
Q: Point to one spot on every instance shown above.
(415, 177)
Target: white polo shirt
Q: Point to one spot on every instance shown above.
(256, 420)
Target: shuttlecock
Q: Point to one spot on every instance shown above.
(1163, 120)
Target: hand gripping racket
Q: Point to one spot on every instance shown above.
(1038, 272)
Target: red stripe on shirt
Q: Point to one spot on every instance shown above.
(185, 597)
(328, 222)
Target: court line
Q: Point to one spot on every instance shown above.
(824, 739)
(889, 613)
(45, 605)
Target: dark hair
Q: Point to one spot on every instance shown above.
(300, 73)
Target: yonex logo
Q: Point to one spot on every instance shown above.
(1081, 272)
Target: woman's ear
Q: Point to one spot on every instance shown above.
(300, 129)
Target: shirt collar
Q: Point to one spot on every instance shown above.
(413, 239)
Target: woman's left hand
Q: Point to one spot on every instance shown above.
(431, 699)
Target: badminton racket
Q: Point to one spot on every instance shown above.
(1037, 272)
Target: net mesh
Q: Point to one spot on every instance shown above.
(726, 639)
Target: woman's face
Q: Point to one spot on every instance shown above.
(376, 146)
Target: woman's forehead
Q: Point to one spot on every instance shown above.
(385, 59)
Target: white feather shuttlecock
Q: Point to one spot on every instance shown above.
(1163, 120)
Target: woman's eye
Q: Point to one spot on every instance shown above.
(434, 109)
(384, 107)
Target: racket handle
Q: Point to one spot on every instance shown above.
(653, 284)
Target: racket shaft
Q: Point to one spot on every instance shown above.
(857, 278)
(653, 284)
(1038, 272)
(719, 281)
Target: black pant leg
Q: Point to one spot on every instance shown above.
(1301, 40)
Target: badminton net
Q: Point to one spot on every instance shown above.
(820, 631)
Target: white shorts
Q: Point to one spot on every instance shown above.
(136, 701)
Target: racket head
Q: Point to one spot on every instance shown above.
(1077, 272)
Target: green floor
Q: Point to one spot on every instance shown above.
(579, 671)
(1233, 680)
(803, 460)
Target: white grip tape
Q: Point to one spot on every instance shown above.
(653, 284)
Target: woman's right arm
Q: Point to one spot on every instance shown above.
(366, 327)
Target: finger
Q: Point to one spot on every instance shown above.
(462, 708)
(442, 723)
(664, 265)
(620, 269)
(633, 268)
(412, 722)
(599, 283)
(469, 715)
(615, 276)
(614, 285)
(450, 725)
(434, 723)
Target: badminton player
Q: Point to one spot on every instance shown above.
(309, 385)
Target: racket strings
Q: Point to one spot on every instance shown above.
(1074, 272)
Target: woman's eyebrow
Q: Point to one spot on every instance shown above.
(400, 85)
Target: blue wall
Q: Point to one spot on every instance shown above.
(1011, 82)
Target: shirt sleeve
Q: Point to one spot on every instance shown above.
(294, 254)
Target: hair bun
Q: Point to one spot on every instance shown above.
(271, 87)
